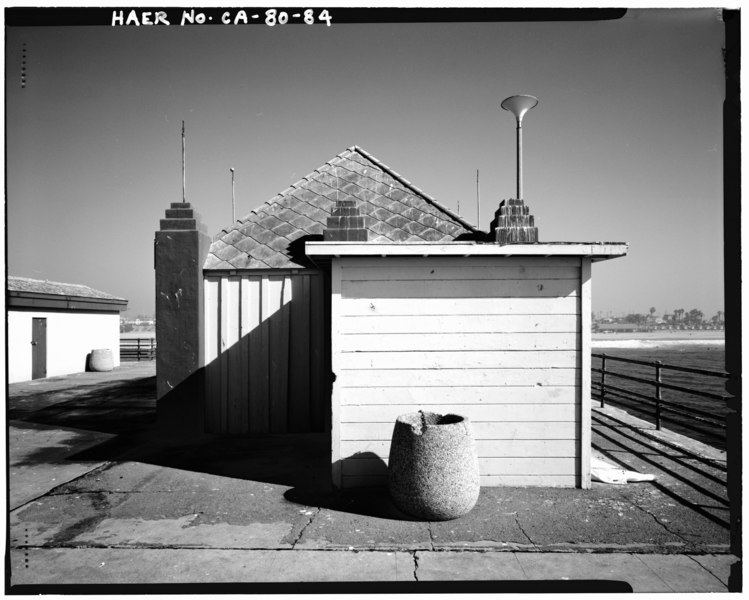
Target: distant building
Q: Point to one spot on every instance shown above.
(621, 327)
(52, 327)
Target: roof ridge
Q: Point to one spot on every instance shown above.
(411, 186)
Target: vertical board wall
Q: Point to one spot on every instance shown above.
(498, 339)
(265, 353)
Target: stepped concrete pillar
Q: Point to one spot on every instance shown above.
(180, 247)
(346, 223)
(513, 223)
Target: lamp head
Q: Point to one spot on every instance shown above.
(519, 105)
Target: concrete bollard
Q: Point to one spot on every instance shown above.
(433, 470)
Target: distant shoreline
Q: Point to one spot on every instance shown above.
(664, 334)
(656, 338)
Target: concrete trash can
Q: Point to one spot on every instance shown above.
(433, 469)
(101, 360)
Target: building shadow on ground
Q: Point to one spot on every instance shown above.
(126, 409)
(371, 501)
(121, 407)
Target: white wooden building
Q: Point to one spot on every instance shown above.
(305, 330)
(52, 327)
(500, 334)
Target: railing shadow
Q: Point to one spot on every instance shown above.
(685, 477)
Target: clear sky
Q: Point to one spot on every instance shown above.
(625, 144)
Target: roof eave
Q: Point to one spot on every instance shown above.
(595, 250)
(40, 301)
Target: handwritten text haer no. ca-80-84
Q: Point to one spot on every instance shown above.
(270, 17)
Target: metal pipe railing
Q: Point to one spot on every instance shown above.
(652, 403)
(137, 349)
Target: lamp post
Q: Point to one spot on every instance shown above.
(518, 106)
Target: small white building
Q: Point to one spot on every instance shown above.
(53, 327)
(497, 333)
(352, 297)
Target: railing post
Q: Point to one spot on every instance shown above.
(137, 352)
(603, 379)
(658, 366)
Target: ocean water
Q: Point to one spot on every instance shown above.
(701, 354)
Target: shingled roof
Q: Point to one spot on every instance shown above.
(56, 288)
(398, 211)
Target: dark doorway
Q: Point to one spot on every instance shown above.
(38, 348)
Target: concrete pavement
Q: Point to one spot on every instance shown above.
(97, 498)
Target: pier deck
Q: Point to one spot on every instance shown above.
(96, 497)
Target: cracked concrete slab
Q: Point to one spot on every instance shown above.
(602, 567)
(339, 530)
(311, 514)
(718, 564)
(363, 519)
(600, 518)
(198, 510)
(184, 532)
(492, 523)
(468, 566)
(56, 566)
(41, 458)
(683, 574)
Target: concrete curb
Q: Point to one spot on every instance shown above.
(46, 569)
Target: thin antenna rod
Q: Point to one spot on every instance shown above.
(478, 200)
(233, 205)
(183, 163)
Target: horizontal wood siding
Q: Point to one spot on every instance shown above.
(495, 339)
(449, 306)
(561, 359)
(459, 324)
(265, 354)
(462, 395)
(512, 448)
(427, 341)
(482, 413)
(506, 466)
(493, 430)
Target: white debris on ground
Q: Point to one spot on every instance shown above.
(606, 472)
